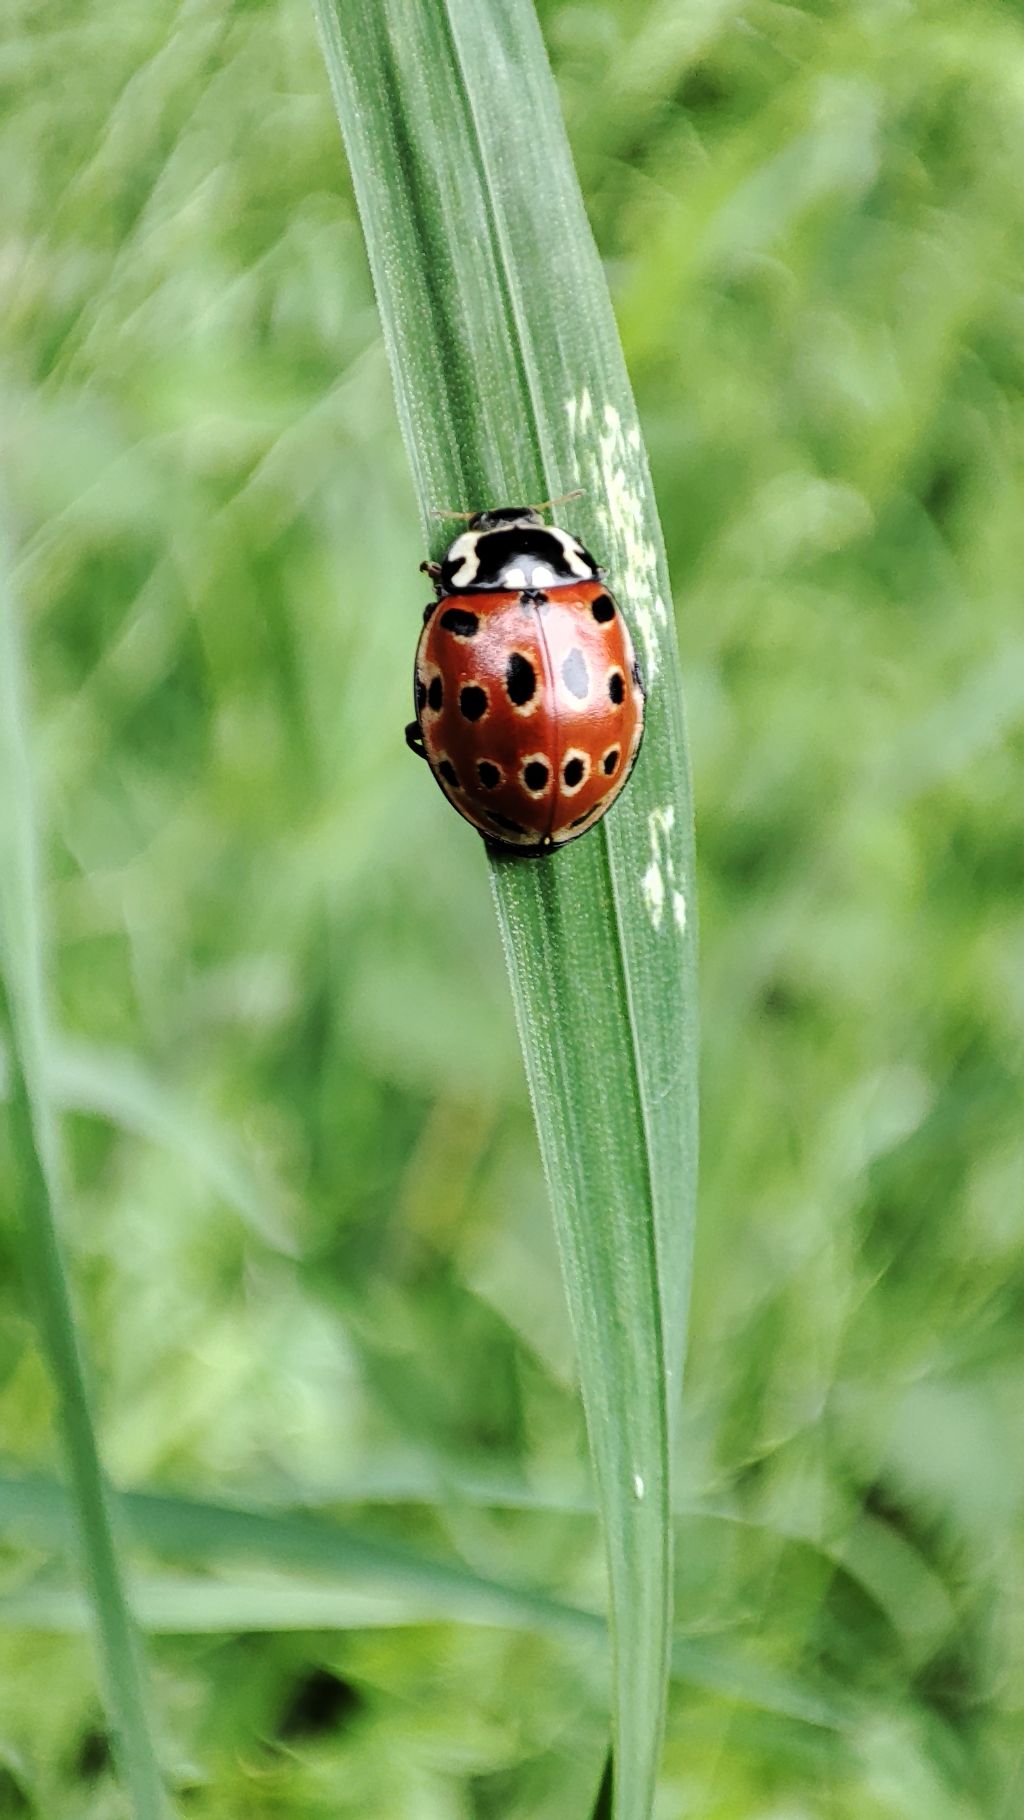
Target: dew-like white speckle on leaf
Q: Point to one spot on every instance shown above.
(607, 457)
(658, 883)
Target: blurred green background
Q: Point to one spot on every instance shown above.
(310, 1238)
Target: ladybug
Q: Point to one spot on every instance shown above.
(529, 701)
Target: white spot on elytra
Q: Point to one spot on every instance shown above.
(659, 880)
(609, 457)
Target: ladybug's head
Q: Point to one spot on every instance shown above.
(511, 548)
(501, 516)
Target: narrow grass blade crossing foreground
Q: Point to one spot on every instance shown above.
(28, 1126)
(511, 388)
(332, 1575)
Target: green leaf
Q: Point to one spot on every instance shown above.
(348, 1580)
(29, 1128)
(511, 387)
(115, 1085)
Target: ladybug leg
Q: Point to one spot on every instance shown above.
(433, 569)
(414, 739)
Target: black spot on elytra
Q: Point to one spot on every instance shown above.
(421, 695)
(603, 609)
(610, 760)
(447, 770)
(464, 624)
(503, 821)
(573, 772)
(473, 702)
(488, 774)
(574, 674)
(520, 679)
(535, 775)
(320, 1702)
(616, 686)
(435, 694)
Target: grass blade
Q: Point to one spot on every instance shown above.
(115, 1086)
(30, 1129)
(511, 386)
(360, 1580)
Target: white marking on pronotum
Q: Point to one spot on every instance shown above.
(572, 550)
(659, 880)
(464, 552)
(514, 578)
(609, 457)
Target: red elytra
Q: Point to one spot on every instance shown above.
(529, 704)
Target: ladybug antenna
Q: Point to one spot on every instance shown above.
(563, 499)
(439, 512)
